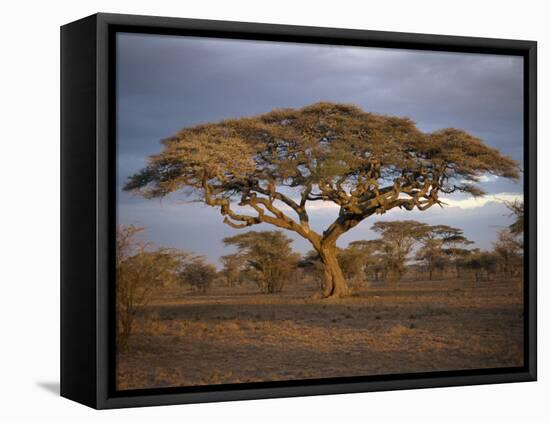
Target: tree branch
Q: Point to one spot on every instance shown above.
(422, 196)
(238, 221)
(298, 208)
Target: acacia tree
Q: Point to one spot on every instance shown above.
(233, 267)
(518, 211)
(375, 257)
(481, 262)
(140, 269)
(431, 255)
(367, 258)
(509, 249)
(352, 262)
(199, 274)
(509, 243)
(398, 238)
(458, 257)
(268, 257)
(273, 165)
(439, 245)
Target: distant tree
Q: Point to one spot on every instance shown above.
(376, 267)
(509, 248)
(352, 260)
(439, 247)
(397, 239)
(365, 163)
(268, 257)
(459, 258)
(368, 258)
(376, 257)
(139, 271)
(233, 267)
(432, 256)
(483, 263)
(311, 266)
(517, 209)
(199, 274)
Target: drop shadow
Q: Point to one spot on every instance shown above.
(51, 387)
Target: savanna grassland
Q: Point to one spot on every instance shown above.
(234, 335)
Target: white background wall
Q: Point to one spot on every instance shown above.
(29, 206)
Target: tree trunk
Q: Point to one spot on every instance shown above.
(335, 283)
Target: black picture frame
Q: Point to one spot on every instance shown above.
(88, 209)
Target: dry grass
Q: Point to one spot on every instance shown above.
(232, 336)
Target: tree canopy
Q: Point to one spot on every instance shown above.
(439, 245)
(363, 162)
(267, 257)
(397, 239)
(199, 274)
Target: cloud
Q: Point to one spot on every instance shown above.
(488, 178)
(460, 203)
(476, 202)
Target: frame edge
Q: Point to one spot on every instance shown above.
(78, 212)
(103, 400)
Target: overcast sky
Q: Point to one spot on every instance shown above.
(165, 83)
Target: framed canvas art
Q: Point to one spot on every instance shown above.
(256, 211)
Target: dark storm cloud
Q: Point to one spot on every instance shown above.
(166, 83)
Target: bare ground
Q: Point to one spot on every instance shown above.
(234, 336)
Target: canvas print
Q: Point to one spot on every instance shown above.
(291, 211)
